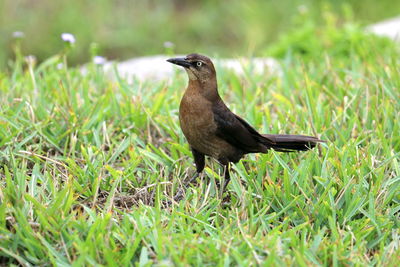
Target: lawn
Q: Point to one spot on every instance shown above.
(80, 156)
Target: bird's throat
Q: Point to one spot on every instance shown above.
(207, 89)
(191, 75)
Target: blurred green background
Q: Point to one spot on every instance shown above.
(125, 29)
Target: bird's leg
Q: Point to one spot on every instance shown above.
(199, 160)
(227, 177)
(223, 184)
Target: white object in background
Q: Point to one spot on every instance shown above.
(157, 67)
(389, 28)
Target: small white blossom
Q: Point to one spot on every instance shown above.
(30, 59)
(99, 60)
(60, 66)
(168, 44)
(68, 38)
(18, 35)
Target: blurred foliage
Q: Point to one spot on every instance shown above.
(134, 28)
(312, 40)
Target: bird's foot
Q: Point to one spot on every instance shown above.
(169, 202)
(226, 200)
(179, 195)
(222, 186)
(191, 180)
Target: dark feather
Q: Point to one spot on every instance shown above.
(235, 130)
(289, 142)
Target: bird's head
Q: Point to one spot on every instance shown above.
(197, 66)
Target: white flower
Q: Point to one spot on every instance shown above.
(99, 60)
(30, 59)
(68, 38)
(18, 35)
(168, 44)
(60, 66)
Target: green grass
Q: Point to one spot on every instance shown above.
(80, 156)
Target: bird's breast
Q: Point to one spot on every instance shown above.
(197, 123)
(196, 117)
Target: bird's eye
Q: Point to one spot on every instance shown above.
(199, 64)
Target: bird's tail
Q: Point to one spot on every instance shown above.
(290, 143)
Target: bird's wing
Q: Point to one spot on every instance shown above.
(235, 130)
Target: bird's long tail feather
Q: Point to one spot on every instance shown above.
(290, 143)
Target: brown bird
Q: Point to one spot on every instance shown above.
(213, 130)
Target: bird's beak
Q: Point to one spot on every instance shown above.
(179, 61)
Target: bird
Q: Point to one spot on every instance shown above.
(213, 130)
